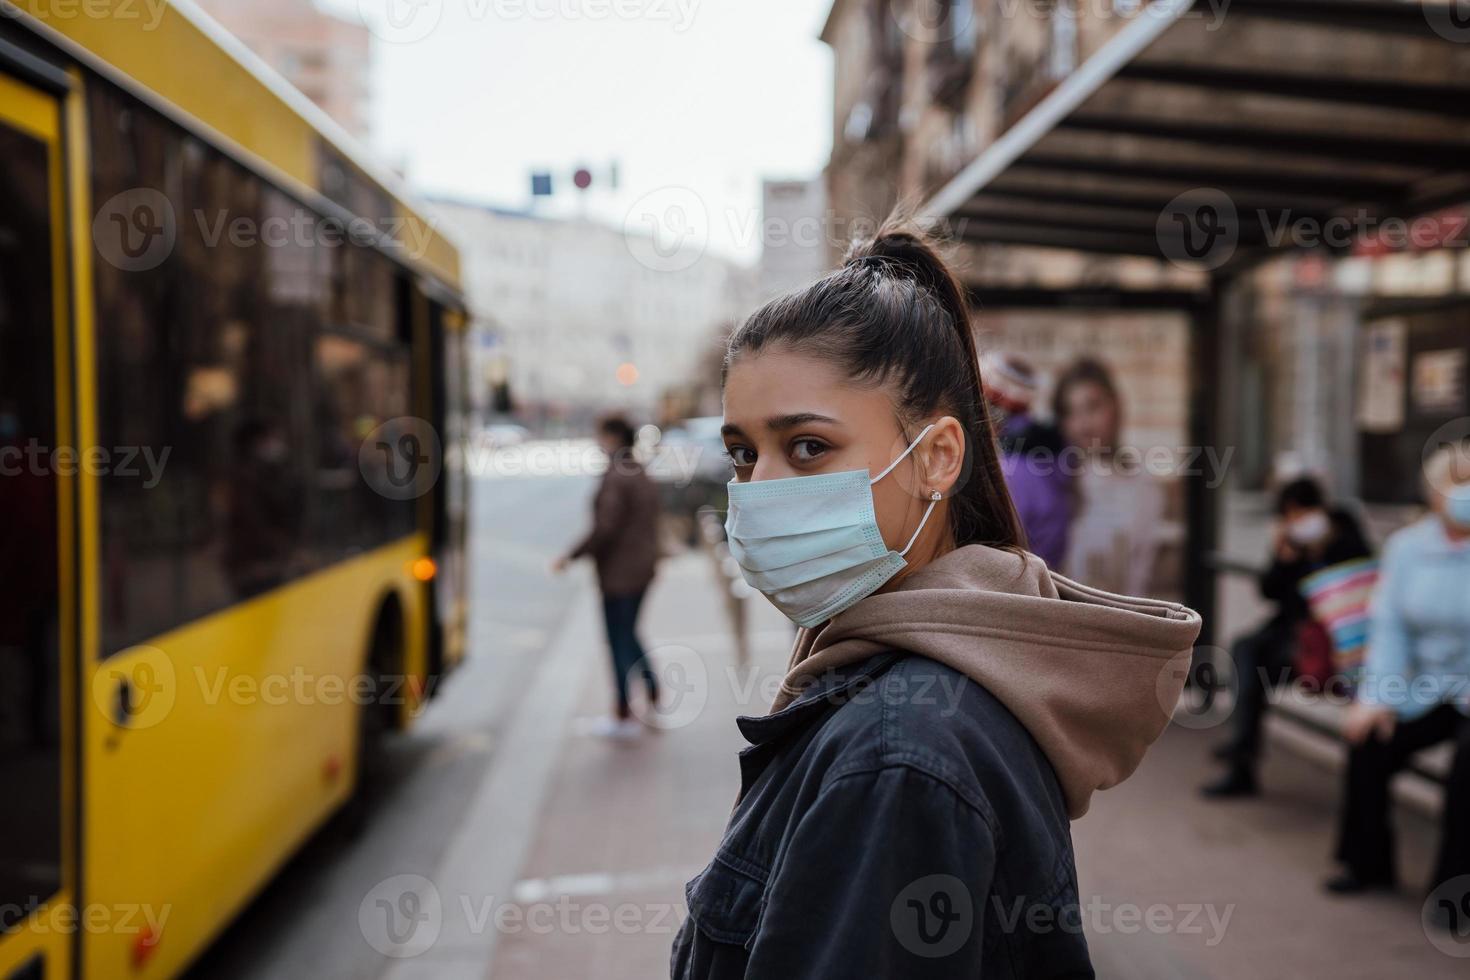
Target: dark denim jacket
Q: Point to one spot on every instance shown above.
(896, 821)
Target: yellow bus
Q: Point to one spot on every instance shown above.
(230, 354)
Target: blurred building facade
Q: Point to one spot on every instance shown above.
(794, 228)
(327, 58)
(569, 323)
(1055, 137)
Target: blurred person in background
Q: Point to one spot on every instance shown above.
(1113, 541)
(1413, 692)
(1310, 535)
(623, 543)
(949, 705)
(1030, 452)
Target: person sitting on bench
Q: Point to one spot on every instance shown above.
(1309, 536)
(1413, 693)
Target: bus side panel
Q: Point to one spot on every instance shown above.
(239, 744)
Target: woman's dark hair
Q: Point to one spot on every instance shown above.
(895, 314)
(1083, 371)
(619, 428)
(1303, 493)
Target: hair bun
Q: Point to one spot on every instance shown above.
(905, 254)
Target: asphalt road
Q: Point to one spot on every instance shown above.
(304, 924)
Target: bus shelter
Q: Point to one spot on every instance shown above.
(1207, 142)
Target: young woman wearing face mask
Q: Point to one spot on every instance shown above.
(1415, 688)
(949, 704)
(1310, 535)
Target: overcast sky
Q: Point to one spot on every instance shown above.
(709, 95)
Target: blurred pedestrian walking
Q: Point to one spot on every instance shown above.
(623, 543)
(1030, 456)
(1413, 693)
(1310, 535)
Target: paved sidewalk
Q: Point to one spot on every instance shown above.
(579, 850)
(626, 823)
(1153, 843)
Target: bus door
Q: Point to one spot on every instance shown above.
(39, 921)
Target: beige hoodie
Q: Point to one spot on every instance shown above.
(1093, 676)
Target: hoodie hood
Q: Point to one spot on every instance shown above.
(1092, 676)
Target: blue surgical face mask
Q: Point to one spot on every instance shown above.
(811, 544)
(1457, 506)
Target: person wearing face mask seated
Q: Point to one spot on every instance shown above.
(1415, 690)
(1309, 536)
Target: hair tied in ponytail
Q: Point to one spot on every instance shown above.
(894, 314)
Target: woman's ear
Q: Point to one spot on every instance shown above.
(943, 455)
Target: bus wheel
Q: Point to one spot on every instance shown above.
(375, 719)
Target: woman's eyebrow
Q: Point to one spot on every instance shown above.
(778, 422)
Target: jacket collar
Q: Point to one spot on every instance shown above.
(827, 691)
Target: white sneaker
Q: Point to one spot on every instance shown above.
(606, 726)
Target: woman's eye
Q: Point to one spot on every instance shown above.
(740, 456)
(807, 450)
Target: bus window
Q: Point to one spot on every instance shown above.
(30, 700)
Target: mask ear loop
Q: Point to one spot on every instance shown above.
(903, 455)
(934, 498)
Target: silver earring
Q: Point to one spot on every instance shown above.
(935, 495)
